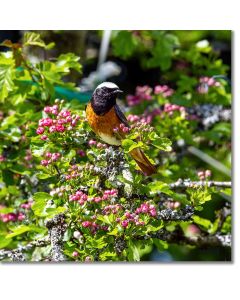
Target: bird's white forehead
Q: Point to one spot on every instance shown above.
(106, 84)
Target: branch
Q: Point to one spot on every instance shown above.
(17, 254)
(194, 184)
(177, 237)
(57, 227)
(184, 214)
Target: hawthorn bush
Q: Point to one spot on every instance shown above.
(67, 196)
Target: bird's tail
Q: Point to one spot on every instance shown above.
(144, 164)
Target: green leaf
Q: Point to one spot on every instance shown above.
(24, 228)
(129, 145)
(52, 211)
(4, 241)
(159, 186)
(6, 80)
(206, 224)
(124, 43)
(20, 170)
(34, 39)
(133, 252)
(161, 245)
(18, 230)
(162, 144)
(162, 52)
(68, 61)
(40, 202)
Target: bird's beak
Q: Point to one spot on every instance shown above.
(119, 91)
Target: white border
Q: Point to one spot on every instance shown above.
(128, 281)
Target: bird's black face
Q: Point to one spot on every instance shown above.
(104, 98)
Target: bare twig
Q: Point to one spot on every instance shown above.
(192, 184)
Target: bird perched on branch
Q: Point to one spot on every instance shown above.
(104, 115)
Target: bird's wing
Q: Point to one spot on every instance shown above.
(121, 115)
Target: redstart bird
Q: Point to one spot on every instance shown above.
(104, 116)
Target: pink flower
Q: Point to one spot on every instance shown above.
(97, 199)
(44, 137)
(164, 90)
(125, 129)
(2, 158)
(69, 119)
(40, 130)
(208, 173)
(75, 254)
(60, 128)
(81, 153)
(133, 118)
(86, 224)
(45, 122)
(21, 217)
(74, 123)
(92, 142)
(88, 259)
(74, 197)
(44, 163)
(55, 156)
(144, 208)
(61, 121)
(48, 154)
(153, 212)
(64, 113)
(47, 109)
(124, 223)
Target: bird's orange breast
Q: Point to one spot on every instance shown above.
(104, 125)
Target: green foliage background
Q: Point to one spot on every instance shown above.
(27, 87)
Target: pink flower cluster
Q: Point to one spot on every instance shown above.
(60, 190)
(28, 155)
(170, 108)
(206, 82)
(130, 218)
(146, 208)
(164, 90)
(209, 81)
(12, 217)
(81, 198)
(122, 128)
(50, 157)
(73, 172)
(58, 122)
(93, 226)
(204, 174)
(27, 205)
(172, 204)
(133, 118)
(134, 217)
(112, 209)
(146, 118)
(98, 145)
(142, 93)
